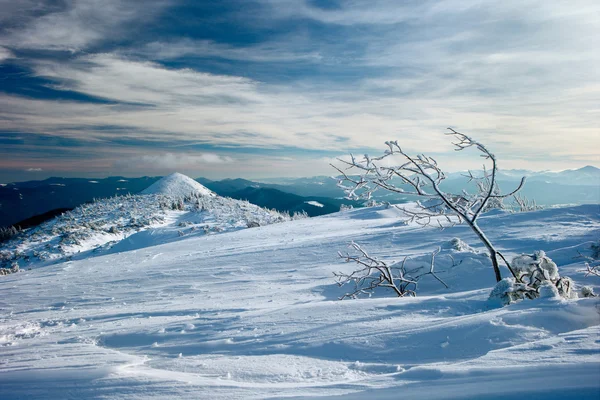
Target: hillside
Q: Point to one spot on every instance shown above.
(253, 314)
(160, 215)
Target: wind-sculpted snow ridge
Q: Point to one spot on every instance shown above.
(128, 222)
(178, 185)
(253, 314)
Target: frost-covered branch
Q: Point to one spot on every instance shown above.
(373, 273)
(420, 175)
(592, 262)
(592, 270)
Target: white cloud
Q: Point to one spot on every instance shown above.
(34, 169)
(170, 161)
(116, 78)
(277, 51)
(73, 24)
(5, 54)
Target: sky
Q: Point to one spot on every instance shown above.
(265, 88)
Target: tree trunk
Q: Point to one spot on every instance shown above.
(490, 248)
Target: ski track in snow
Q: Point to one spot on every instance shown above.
(253, 313)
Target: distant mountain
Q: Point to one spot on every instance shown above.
(322, 186)
(579, 186)
(281, 197)
(227, 186)
(282, 201)
(586, 176)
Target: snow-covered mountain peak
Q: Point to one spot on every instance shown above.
(177, 185)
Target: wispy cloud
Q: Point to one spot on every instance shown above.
(71, 25)
(521, 76)
(34, 169)
(171, 161)
(277, 51)
(5, 54)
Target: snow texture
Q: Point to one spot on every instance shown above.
(253, 314)
(177, 185)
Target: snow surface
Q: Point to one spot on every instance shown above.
(177, 185)
(314, 203)
(253, 313)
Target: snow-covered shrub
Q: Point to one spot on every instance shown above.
(345, 207)
(13, 269)
(8, 233)
(587, 291)
(523, 204)
(458, 245)
(299, 215)
(508, 291)
(536, 277)
(537, 266)
(371, 203)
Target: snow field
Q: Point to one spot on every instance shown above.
(253, 313)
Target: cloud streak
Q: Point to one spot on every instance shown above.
(523, 78)
(171, 161)
(72, 25)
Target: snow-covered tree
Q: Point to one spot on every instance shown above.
(420, 175)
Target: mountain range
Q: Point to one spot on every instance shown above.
(315, 196)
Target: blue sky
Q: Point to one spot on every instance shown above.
(260, 88)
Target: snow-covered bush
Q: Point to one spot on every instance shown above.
(371, 203)
(587, 291)
(299, 215)
(458, 245)
(345, 207)
(537, 266)
(523, 204)
(13, 269)
(535, 276)
(8, 233)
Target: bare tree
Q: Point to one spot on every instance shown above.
(420, 175)
(373, 273)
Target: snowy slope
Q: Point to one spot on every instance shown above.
(126, 222)
(177, 185)
(253, 313)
